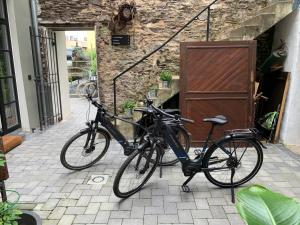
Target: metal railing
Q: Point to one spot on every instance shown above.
(207, 8)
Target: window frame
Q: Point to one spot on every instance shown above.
(5, 129)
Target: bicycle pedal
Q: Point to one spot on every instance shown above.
(185, 188)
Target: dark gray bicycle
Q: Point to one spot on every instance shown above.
(229, 162)
(88, 146)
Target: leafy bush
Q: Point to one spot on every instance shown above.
(74, 78)
(129, 104)
(93, 57)
(9, 213)
(166, 75)
(259, 206)
(78, 54)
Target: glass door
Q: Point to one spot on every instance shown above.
(9, 108)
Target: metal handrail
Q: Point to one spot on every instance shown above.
(162, 45)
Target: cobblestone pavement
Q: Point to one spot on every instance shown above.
(63, 197)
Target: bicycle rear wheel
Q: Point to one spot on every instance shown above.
(75, 156)
(133, 174)
(247, 158)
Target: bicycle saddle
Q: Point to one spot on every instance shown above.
(217, 120)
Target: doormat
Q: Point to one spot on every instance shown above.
(98, 179)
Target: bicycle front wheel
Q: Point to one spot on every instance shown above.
(135, 172)
(79, 153)
(246, 157)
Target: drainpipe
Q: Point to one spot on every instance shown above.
(33, 7)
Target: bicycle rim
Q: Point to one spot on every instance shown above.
(75, 157)
(247, 157)
(130, 178)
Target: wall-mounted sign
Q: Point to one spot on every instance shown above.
(120, 40)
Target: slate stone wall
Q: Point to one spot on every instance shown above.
(154, 23)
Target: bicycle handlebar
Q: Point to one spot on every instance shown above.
(172, 116)
(149, 103)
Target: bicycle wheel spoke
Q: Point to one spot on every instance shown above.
(81, 153)
(136, 172)
(245, 159)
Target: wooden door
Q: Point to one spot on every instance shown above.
(217, 78)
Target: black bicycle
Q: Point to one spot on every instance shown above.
(229, 162)
(88, 146)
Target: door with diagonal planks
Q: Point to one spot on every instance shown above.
(217, 78)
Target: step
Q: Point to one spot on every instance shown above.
(249, 31)
(265, 19)
(261, 19)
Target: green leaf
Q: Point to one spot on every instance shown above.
(259, 206)
(2, 161)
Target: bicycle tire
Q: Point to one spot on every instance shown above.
(65, 148)
(120, 173)
(223, 143)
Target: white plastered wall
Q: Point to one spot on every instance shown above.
(17, 66)
(63, 73)
(289, 31)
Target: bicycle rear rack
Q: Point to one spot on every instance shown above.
(248, 132)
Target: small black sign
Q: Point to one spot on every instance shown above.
(120, 40)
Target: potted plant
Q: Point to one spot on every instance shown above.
(10, 214)
(166, 78)
(152, 93)
(259, 205)
(128, 107)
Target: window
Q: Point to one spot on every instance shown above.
(9, 109)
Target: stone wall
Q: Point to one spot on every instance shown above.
(155, 22)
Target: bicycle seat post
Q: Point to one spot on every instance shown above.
(210, 133)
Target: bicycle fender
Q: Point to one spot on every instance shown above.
(259, 143)
(99, 129)
(84, 130)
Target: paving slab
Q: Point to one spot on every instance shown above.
(63, 197)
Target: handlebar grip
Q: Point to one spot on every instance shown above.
(187, 120)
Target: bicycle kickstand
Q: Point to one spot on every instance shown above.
(160, 161)
(232, 186)
(184, 186)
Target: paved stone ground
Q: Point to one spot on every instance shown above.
(63, 197)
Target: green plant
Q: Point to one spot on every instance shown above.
(129, 105)
(259, 206)
(166, 75)
(2, 160)
(91, 54)
(9, 213)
